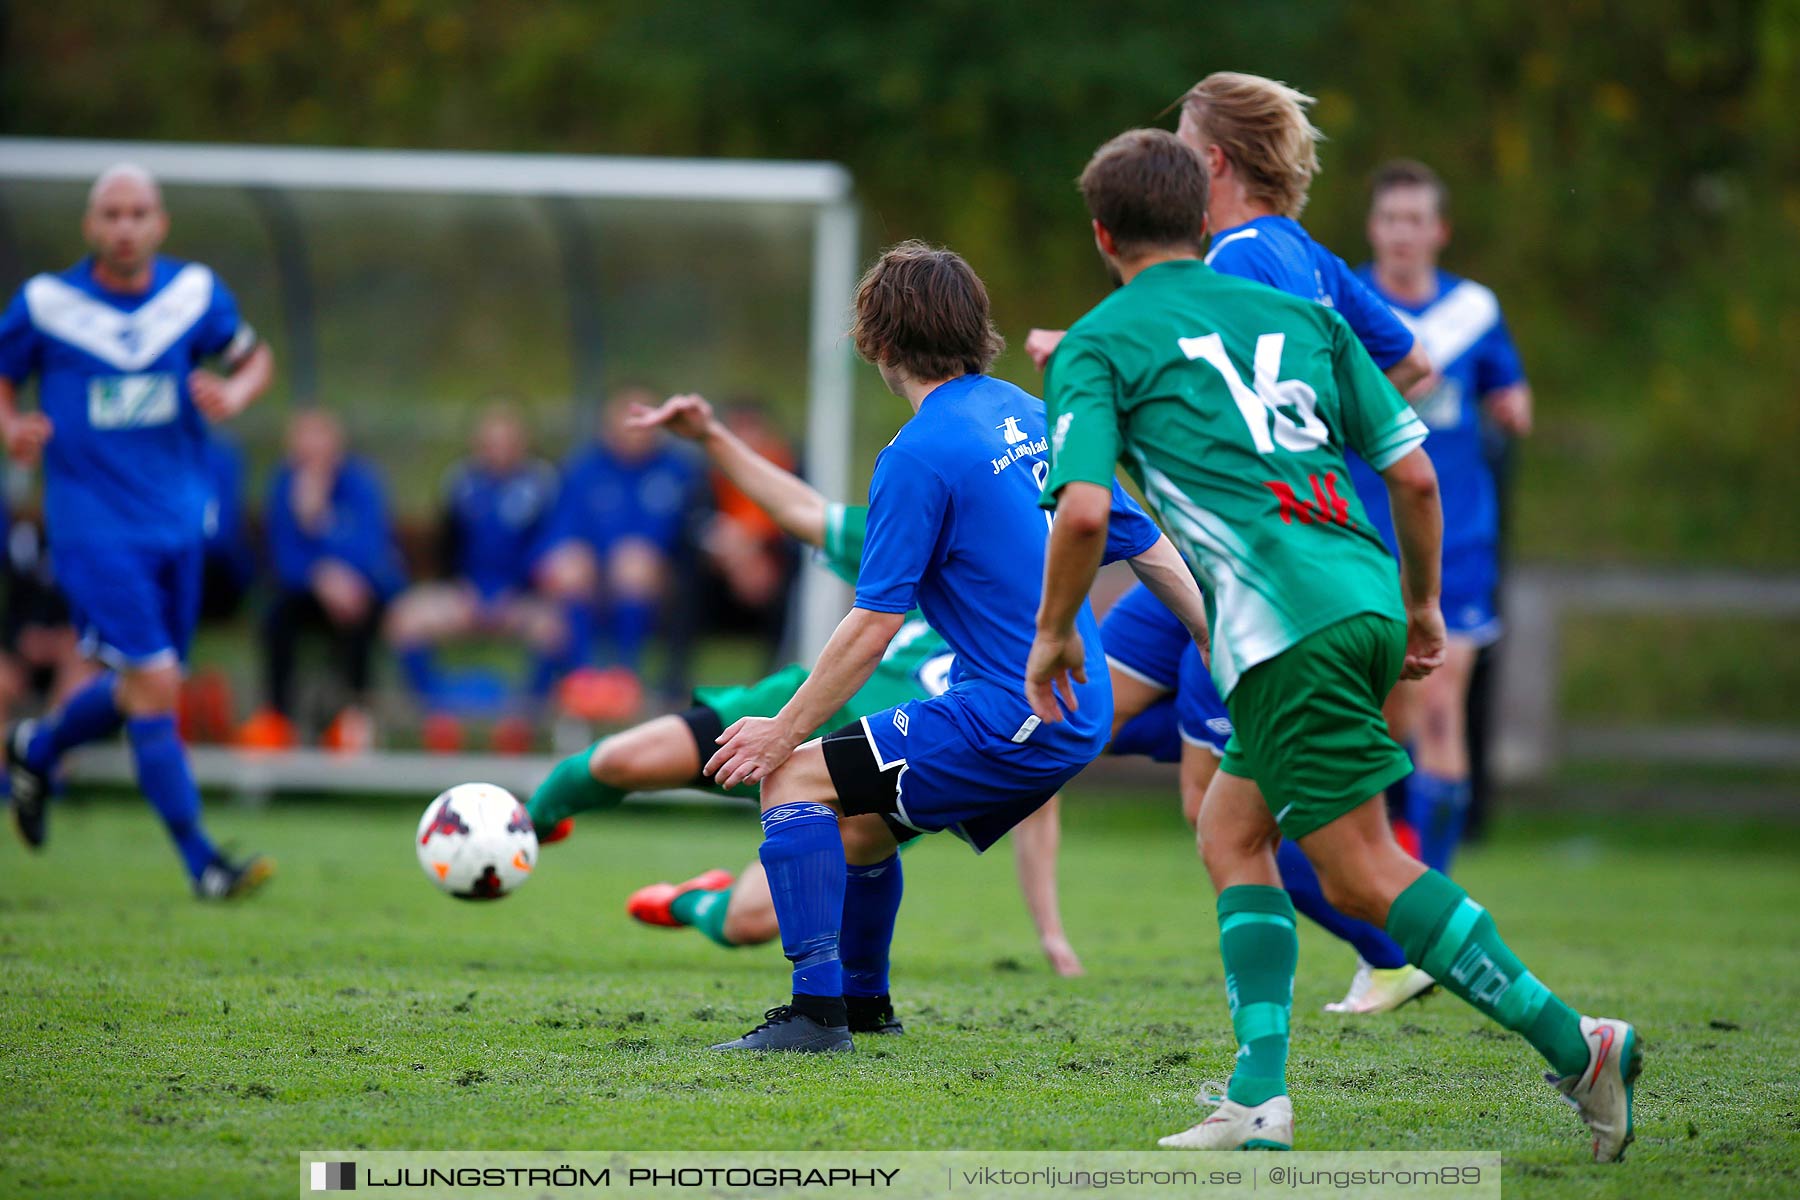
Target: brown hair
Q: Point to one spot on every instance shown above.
(923, 310)
(1262, 127)
(1147, 189)
(1409, 172)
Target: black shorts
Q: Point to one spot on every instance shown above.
(863, 788)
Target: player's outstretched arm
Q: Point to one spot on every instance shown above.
(1077, 545)
(1511, 408)
(1419, 527)
(754, 746)
(1035, 841)
(1040, 344)
(1162, 569)
(790, 501)
(23, 432)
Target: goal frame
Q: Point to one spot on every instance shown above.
(823, 189)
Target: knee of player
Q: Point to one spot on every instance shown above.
(610, 763)
(568, 572)
(149, 691)
(636, 568)
(751, 926)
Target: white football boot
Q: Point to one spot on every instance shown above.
(1382, 989)
(1601, 1093)
(1266, 1126)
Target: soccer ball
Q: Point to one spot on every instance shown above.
(476, 842)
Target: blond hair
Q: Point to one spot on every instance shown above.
(1262, 127)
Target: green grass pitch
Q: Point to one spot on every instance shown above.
(151, 1043)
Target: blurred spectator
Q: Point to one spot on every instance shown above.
(746, 552)
(626, 506)
(497, 505)
(336, 567)
(230, 562)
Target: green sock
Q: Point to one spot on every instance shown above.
(705, 911)
(568, 790)
(1453, 939)
(1260, 949)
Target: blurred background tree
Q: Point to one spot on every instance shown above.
(1626, 174)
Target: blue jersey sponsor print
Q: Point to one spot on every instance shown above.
(124, 464)
(495, 522)
(1465, 337)
(1279, 252)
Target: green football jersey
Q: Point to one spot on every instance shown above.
(917, 661)
(1231, 405)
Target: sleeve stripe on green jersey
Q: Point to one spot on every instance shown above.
(1406, 435)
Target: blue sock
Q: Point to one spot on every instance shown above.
(629, 621)
(578, 617)
(164, 778)
(1436, 808)
(804, 857)
(545, 670)
(420, 666)
(1302, 884)
(871, 902)
(87, 716)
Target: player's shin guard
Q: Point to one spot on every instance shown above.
(871, 902)
(804, 857)
(1453, 939)
(164, 778)
(89, 715)
(1437, 809)
(1302, 883)
(1260, 949)
(569, 789)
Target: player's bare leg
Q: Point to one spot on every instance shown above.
(1035, 842)
(1595, 1061)
(1237, 840)
(660, 753)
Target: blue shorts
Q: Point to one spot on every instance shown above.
(1200, 709)
(136, 606)
(1143, 639)
(1470, 577)
(954, 775)
(1154, 733)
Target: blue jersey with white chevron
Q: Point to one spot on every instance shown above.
(1465, 337)
(125, 463)
(1279, 252)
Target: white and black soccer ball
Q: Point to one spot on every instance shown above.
(476, 842)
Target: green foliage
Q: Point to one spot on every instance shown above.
(1624, 173)
(152, 1042)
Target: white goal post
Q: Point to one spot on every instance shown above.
(824, 190)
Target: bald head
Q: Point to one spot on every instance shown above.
(125, 182)
(125, 226)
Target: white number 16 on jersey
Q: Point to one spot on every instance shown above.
(1271, 400)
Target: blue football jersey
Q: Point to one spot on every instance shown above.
(125, 463)
(497, 522)
(955, 531)
(605, 497)
(1279, 252)
(1465, 337)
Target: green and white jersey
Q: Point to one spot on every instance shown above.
(917, 661)
(1231, 405)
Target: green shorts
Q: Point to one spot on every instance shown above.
(764, 698)
(1307, 724)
